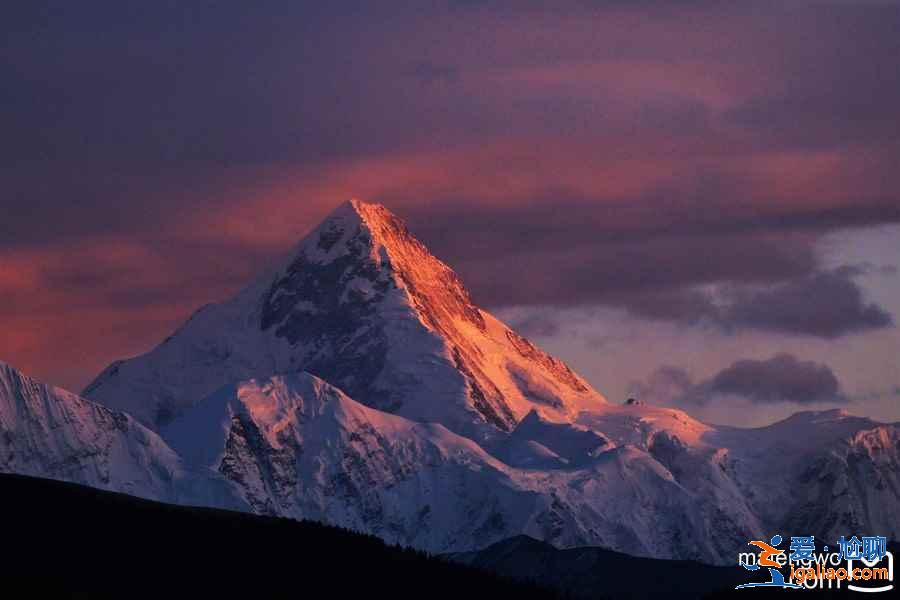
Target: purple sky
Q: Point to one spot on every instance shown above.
(669, 195)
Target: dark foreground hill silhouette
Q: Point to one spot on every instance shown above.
(63, 540)
(591, 572)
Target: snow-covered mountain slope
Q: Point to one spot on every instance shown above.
(637, 479)
(296, 446)
(643, 480)
(364, 305)
(535, 441)
(826, 473)
(854, 487)
(51, 433)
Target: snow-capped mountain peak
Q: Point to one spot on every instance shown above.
(361, 303)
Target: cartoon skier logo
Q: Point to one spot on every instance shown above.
(766, 554)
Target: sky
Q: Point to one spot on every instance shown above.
(693, 203)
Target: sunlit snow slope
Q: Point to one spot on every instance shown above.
(643, 480)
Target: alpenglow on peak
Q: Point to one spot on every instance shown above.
(361, 303)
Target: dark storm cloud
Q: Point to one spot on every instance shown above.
(611, 153)
(652, 266)
(822, 303)
(832, 94)
(232, 83)
(782, 378)
(825, 304)
(164, 82)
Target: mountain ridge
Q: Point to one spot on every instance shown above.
(643, 480)
(49, 432)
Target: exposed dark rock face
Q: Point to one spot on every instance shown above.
(490, 405)
(266, 474)
(317, 307)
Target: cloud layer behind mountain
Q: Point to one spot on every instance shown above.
(683, 162)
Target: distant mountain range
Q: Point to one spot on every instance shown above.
(357, 384)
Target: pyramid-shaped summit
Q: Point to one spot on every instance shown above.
(362, 304)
